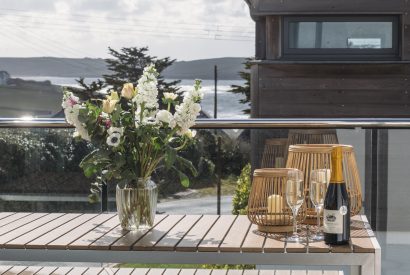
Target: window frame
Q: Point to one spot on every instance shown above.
(342, 53)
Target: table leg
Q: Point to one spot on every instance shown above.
(378, 262)
(368, 268)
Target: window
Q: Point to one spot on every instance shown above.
(340, 37)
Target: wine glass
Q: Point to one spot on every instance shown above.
(295, 196)
(319, 180)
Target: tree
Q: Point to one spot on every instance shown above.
(246, 88)
(129, 64)
(126, 66)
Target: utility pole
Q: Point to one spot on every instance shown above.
(216, 89)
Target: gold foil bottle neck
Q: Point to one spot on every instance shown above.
(337, 165)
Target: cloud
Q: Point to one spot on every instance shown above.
(183, 29)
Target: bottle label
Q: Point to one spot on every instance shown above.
(333, 220)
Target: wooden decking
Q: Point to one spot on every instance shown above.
(188, 233)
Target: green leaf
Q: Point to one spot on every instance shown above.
(90, 170)
(95, 162)
(184, 179)
(184, 163)
(93, 198)
(170, 157)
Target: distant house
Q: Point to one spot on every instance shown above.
(4, 77)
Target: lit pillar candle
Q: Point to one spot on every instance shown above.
(275, 203)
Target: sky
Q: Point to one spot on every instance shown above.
(181, 29)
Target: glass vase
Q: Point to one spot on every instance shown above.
(137, 204)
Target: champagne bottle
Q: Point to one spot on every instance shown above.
(336, 215)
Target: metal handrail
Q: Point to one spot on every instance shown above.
(259, 123)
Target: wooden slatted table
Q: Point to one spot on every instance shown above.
(49, 270)
(185, 239)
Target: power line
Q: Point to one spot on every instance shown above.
(65, 47)
(77, 21)
(33, 46)
(122, 18)
(205, 32)
(149, 33)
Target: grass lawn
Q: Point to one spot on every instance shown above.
(228, 186)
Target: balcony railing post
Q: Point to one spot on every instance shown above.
(219, 173)
(104, 198)
(376, 176)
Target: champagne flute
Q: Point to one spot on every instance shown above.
(295, 196)
(319, 180)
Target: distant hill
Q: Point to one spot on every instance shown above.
(228, 67)
(52, 66)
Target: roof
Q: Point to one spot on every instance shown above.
(260, 8)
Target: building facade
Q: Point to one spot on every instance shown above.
(332, 58)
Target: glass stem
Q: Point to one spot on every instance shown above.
(295, 228)
(318, 220)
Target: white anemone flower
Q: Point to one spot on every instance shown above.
(114, 139)
(112, 130)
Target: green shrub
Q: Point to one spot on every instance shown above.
(240, 199)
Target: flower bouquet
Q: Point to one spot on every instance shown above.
(133, 136)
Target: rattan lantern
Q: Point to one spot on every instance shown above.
(267, 205)
(312, 136)
(307, 157)
(274, 153)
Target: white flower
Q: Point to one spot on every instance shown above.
(112, 130)
(148, 117)
(82, 132)
(196, 108)
(69, 100)
(190, 133)
(166, 117)
(114, 139)
(187, 112)
(196, 94)
(170, 96)
(147, 94)
(185, 115)
(72, 106)
(71, 114)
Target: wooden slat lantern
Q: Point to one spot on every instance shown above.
(308, 157)
(267, 206)
(312, 136)
(274, 153)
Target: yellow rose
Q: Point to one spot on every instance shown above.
(128, 91)
(113, 96)
(109, 105)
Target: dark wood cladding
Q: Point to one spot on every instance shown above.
(260, 38)
(273, 31)
(271, 7)
(405, 34)
(331, 90)
(283, 87)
